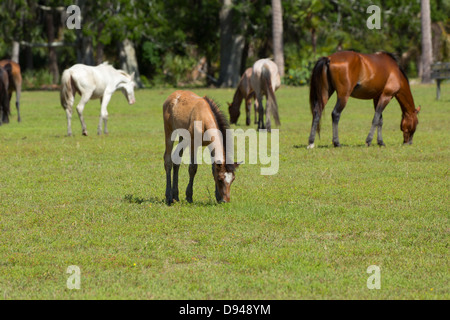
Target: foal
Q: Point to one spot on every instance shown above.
(184, 111)
(245, 92)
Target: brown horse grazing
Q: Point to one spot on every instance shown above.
(4, 99)
(243, 91)
(265, 81)
(15, 83)
(362, 76)
(180, 110)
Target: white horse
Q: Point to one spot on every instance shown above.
(98, 82)
(265, 81)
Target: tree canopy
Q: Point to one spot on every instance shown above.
(179, 41)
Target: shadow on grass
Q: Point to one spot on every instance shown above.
(362, 145)
(130, 198)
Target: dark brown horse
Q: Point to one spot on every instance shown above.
(244, 92)
(185, 112)
(4, 98)
(362, 76)
(15, 83)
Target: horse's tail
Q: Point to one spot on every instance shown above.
(320, 81)
(67, 91)
(271, 99)
(8, 68)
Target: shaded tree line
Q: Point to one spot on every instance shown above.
(211, 42)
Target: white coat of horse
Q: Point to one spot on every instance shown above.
(265, 81)
(98, 82)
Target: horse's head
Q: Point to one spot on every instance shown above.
(224, 177)
(234, 113)
(408, 125)
(127, 86)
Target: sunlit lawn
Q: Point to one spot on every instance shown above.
(308, 232)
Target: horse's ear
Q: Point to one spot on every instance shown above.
(418, 109)
(237, 164)
(132, 75)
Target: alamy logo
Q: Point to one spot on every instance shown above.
(374, 281)
(74, 281)
(374, 21)
(74, 20)
(258, 147)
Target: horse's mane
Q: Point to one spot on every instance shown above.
(106, 64)
(222, 123)
(393, 57)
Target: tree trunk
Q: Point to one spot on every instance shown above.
(52, 57)
(100, 45)
(427, 48)
(277, 34)
(15, 51)
(128, 60)
(231, 47)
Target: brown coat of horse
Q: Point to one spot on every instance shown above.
(245, 92)
(15, 83)
(362, 76)
(183, 110)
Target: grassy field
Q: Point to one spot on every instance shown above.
(308, 232)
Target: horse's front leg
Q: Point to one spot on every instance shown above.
(192, 172)
(336, 116)
(255, 106)
(103, 114)
(248, 109)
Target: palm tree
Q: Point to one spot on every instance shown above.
(277, 33)
(427, 53)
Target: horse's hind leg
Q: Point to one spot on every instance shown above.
(69, 121)
(168, 167)
(256, 110)
(18, 92)
(103, 115)
(176, 167)
(80, 107)
(377, 122)
(336, 115)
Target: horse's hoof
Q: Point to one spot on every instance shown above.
(337, 145)
(311, 146)
(368, 144)
(381, 144)
(189, 200)
(85, 133)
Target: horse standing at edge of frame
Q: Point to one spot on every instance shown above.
(98, 82)
(15, 83)
(181, 110)
(265, 81)
(363, 76)
(4, 98)
(245, 92)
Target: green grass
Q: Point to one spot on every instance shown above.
(309, 232)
